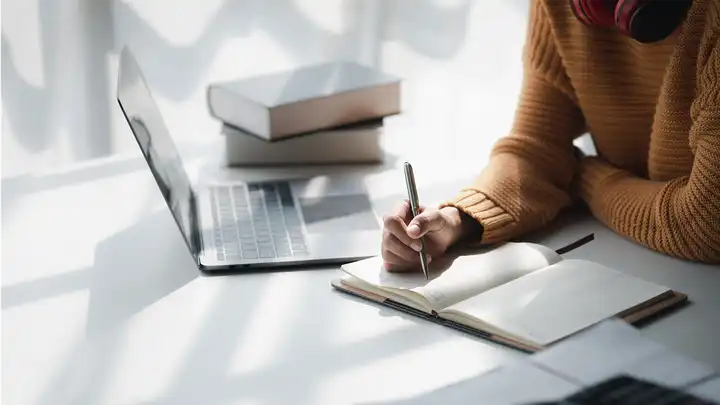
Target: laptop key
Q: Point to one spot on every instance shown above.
(267, 253)
(284, 192)
(246, 248)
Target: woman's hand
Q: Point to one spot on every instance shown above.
(441, 228)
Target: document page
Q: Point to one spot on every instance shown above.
(708, 390)
(454, 279)
(470, 275)
(559, 300)
(373, 272)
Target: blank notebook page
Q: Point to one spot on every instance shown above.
(560, 300)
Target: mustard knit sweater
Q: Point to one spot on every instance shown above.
(653, 111)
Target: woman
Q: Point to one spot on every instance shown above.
(642, 78)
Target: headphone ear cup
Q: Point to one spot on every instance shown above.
(602, 12)
(650, 21)
(595, 13)
(625, 11)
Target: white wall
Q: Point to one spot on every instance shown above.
(460, 59)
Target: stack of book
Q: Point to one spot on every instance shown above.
(329, 113)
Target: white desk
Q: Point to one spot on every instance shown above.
(98, 311)
(101, 302)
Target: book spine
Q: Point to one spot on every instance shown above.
(236, 111)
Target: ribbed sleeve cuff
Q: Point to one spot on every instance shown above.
(496, 222)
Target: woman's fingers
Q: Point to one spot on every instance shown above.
(394, 263)
(397, 256)
(400, 251)
(394, 225)
(395, 246)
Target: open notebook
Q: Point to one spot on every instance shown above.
(520, 294)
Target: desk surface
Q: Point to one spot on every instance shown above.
(101, 302)
(98, 311)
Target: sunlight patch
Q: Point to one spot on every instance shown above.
(356, 322)
(43, 344)
(255, 54)
(71, 231)
(21, 35)
(268, 332)
(157, 341)
(327, 15)
(183, 23)
(410, 372)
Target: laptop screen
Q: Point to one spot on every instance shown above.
(157, 146)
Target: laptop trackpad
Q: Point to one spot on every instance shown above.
(338, 213)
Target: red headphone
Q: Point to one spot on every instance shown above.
(643, 20)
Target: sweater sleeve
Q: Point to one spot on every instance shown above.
(680, 217)
(527, 179)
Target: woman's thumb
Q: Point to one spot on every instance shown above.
(430, 220)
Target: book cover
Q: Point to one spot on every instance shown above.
(307, 99)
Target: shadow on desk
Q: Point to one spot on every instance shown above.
(133, 269)
(453, 394)
(123, 280)
(136, 268)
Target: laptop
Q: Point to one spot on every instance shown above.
(236, 224)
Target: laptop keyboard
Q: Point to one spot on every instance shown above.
(256, 221)
(627, 390)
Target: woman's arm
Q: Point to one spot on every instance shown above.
(679, 217)
(527, 180)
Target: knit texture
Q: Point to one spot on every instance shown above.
(653, 111)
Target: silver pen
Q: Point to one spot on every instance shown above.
(415, 207)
